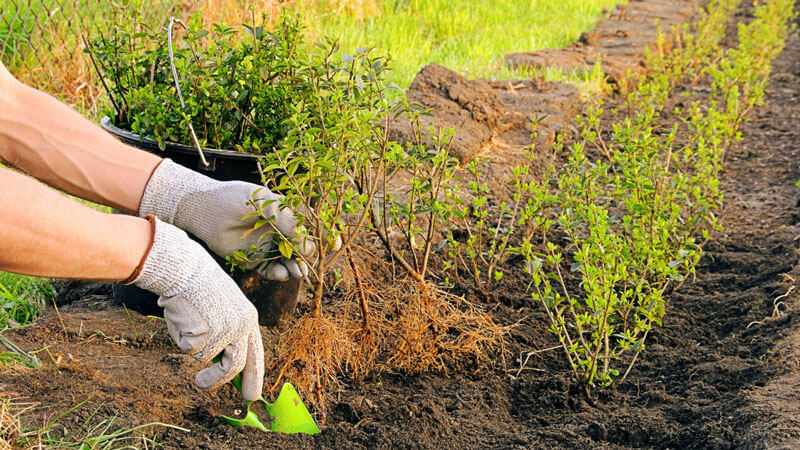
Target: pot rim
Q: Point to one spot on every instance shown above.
(152, 145)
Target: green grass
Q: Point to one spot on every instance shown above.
(22, 298)
(17, 23)
(468, 36)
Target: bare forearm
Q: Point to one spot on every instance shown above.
(41, 136)
(47, 234)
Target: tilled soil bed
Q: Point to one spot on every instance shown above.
(723, 371)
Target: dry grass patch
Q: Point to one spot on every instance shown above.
(11, 410)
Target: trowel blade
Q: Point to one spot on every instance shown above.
(289, 414)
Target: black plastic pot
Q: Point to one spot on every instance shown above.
(223, 165)
(274, 300)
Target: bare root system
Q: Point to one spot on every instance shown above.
(313, 353)
(436, 330)
(411, 328)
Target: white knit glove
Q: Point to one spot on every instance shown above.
(214, 211)
(205, 311)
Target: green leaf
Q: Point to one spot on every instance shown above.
(242, 96)
(285, 248)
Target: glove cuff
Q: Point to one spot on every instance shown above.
(173, 262)
(167, 186)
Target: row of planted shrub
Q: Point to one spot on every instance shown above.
(636, 216)
(604, 240)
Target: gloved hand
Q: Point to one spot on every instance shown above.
(205, 311)
(214, 211)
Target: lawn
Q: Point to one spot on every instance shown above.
(22, 298)
(468, 36)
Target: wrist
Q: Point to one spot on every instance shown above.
(135, 274)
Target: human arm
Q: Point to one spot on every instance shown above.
(45, 138)
(47, 234)
(48, 140)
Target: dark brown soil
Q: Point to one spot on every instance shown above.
(723, 372)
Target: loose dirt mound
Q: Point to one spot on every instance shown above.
(618, 42)
(470, 108)
(496, 119)
(536, 109)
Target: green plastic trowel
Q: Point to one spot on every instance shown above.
(287, 415)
